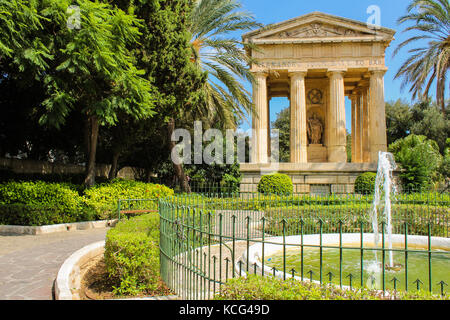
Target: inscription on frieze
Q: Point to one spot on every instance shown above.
(319, 64)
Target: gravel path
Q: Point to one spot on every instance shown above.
(29, 263)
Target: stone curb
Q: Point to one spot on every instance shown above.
(63, 227)
(68, 277)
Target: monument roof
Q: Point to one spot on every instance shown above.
(319, 27)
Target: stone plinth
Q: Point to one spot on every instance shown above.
(308, 178)
(317, 153)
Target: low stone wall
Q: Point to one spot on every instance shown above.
(309, 178)
(45, 167)
(63, 227)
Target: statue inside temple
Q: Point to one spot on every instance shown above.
(315, 130)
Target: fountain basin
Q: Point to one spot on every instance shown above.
(351, 243)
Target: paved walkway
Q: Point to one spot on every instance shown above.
(29, 264)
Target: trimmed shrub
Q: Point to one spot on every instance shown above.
(41, 203)
(268, 288)
(276, 183)
(103, 198)
(132, 256)
(59, 196)
(365, 183)
(37, 215)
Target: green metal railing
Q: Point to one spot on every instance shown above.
(205, 239)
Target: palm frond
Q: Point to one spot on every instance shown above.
(426, 65)
(223, 57)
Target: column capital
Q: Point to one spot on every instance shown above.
(378, 71)
(353, 95)
(299, 73)
(262, 74)
(336, 71)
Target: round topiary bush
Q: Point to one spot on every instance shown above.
(365, 183)
(276, 183)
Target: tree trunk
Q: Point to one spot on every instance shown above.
(92, 131)
(114, 165)
(440, 97)
(178, 168)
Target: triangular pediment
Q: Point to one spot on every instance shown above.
(319, 26)
(316, 29)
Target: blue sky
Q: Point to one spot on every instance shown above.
(270, 11)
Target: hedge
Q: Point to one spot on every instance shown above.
(417, 216)
(35, 203)
(255, 287)
(132, 256)
(103, 198)
(60, 196)
(37, 215)
(274, 202)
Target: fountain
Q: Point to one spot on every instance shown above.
(384, 189)
(329, 259)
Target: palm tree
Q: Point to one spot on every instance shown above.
(429, 63)
(226, 101)
(224, 58)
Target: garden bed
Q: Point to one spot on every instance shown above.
(96, 284)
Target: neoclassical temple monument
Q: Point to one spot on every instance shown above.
(316, 60)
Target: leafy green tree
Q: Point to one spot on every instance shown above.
(420, 159)
(398, 120)
(283, 124)
(92, 70)
(165, 54)
(429, 63)
(427, 120)
(423, 118)
(19, 22)
(348, 147)
(445, 167)
(224, 100)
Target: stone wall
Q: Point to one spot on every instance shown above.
(311, 178)
(45, 167)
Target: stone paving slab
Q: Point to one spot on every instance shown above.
(29, 263)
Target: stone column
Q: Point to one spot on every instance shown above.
(337, 139)
(358, 129)
(354, 97)
(365, 126)
(377, 115)
(269, 141)
(259, 152)
(298, 138)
